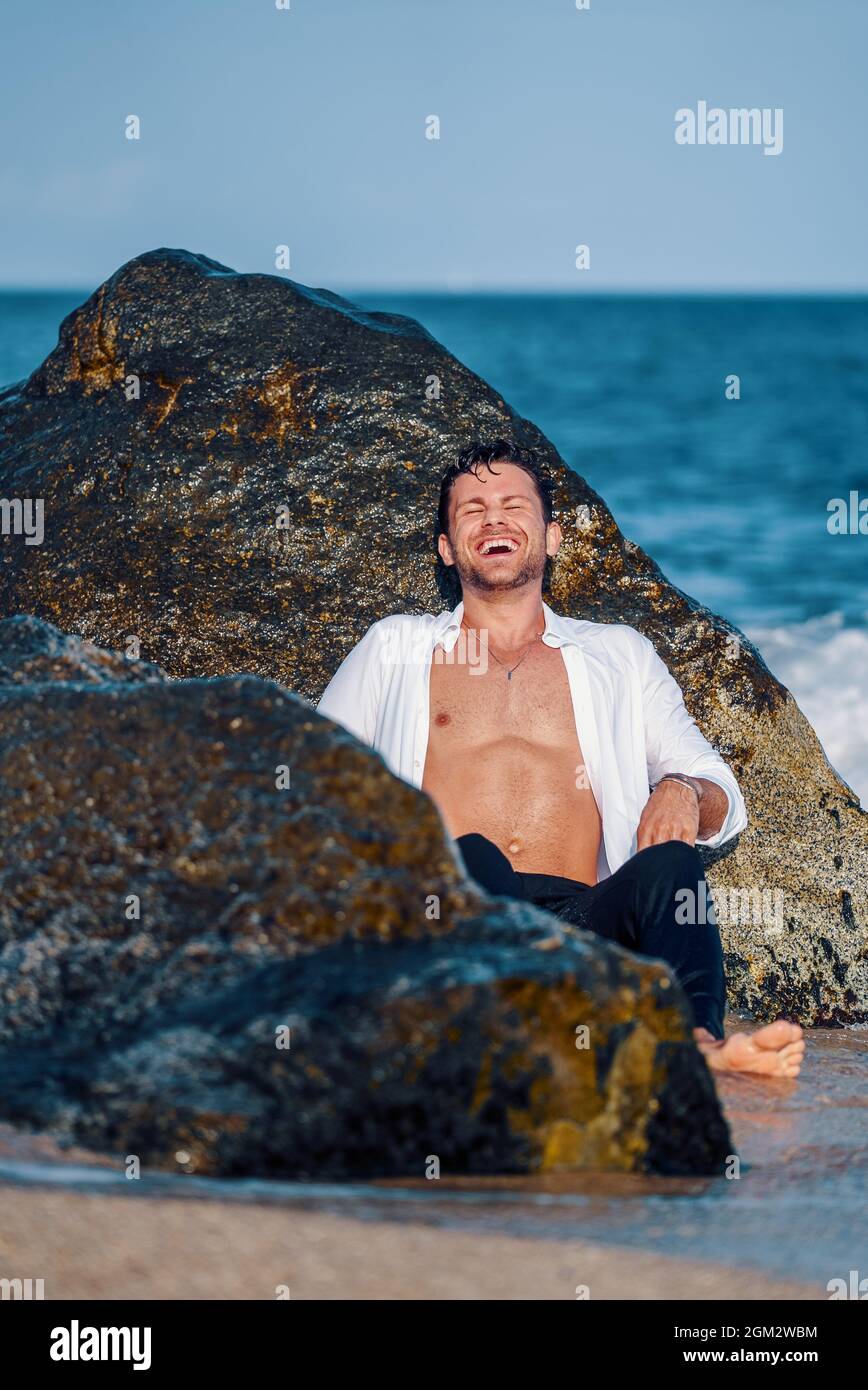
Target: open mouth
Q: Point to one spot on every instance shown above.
(497, 545)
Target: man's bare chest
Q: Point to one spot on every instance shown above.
(479, 703)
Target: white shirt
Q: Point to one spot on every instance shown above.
(630, 716)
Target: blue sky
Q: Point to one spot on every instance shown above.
(262, 127)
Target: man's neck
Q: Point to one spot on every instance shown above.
(512, 619)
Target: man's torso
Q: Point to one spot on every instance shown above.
(504, 760)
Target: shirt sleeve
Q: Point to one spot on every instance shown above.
(352, 696)
(674, 743)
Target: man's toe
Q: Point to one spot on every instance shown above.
(777, 1035)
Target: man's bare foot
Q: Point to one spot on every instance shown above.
(777, 1050)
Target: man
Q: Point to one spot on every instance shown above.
(559, 752)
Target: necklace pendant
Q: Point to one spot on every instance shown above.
(509, 675)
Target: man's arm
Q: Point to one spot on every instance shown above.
(703, 803)
(678, 811)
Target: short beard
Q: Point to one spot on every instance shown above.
(475, 577)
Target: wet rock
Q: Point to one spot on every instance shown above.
(241, 474)
(218, 941)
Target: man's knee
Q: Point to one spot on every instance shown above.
(675, 860)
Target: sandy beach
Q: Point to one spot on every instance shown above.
(98, 1247)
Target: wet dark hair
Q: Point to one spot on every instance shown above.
(470, 460)
(478, 455)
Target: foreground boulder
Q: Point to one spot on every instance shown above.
(199, 959)
(240, 474)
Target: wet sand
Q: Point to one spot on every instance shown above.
(794, 1218)
(102, 1247)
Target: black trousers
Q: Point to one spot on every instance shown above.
(643, 906)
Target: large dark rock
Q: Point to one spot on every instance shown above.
(254, 394)
(166, 907)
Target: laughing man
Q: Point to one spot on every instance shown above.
(559, 752)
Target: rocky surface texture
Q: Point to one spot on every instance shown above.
(242, 474)
(169, 908)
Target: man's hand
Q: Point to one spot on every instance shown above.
(671, 813)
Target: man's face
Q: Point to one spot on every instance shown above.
(497, 539)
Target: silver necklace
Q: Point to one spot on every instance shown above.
(509, 669)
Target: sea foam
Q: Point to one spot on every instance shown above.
(825, 665)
